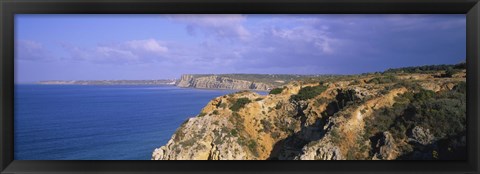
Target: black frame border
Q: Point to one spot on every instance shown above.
(8, 9)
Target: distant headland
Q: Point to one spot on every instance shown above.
(205, 81)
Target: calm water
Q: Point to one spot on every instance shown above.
(100, 122)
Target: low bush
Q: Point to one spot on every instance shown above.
(416, 69)
(252, 146)
(234, 132)
(278, 106)
(450, 72)
(275, 135)
(222, 105)
(267, 126)
(383, 80)
(442, 113)
(276, 91)
(239, 104)
(202, 114)
(309, 92)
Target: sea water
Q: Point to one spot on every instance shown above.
(82, 122)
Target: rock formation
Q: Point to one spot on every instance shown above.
(332, 121)
(219, 82)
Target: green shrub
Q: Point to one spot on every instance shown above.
(383, 80)
(276, 91)
(278, 106)
(234, 132)
(450, 72)
(189, 142)
(275, 135)
(346, 97)
(222, 105)
(309, 92)
(407, 84)
(417, 69)
(252, 145)
(355, 82)
(259, 99)
(202, 114)
(267, 126)
(215, 112)
(443, 113)
(335, 136)
(461, 88)
(423, 95)
(239, 104)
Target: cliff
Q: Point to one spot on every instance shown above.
(219, 82)
(373, 116)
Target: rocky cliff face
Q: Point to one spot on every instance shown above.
(348, 119)
(218, 82)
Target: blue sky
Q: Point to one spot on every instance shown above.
(94, 47)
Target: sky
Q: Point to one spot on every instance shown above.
(131, 47)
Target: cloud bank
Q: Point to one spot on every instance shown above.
(305, 44)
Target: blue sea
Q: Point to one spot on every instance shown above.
(70, 122)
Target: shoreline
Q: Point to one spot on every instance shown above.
(140, 85)
(224, 89)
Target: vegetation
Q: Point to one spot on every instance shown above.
(383, 79)
(345, 97)
(442, 113)
(335, 136)
(278, 106)
(252, 146)
(234, 132)
(309, 92)
(275, 135)
(267, 126)
(202, 114)
(222, 105)
(239, 104)
(416, 69)
(421, 122)
(342, 99)
(450, 72)
(276, 91)
(355, 82)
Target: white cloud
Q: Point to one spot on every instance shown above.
(226, 26)
(150, 45)
(302, 39)
(139, 51)
(31, 50)
(113, 53)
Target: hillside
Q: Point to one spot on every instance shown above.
(240, 81)
(398, 114)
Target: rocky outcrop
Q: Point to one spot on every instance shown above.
(323, 150)
(219, 82)
(331, 125)
(218, 133)
(422, 136)
(387, 148)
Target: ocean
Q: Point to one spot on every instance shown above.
(82, 122)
